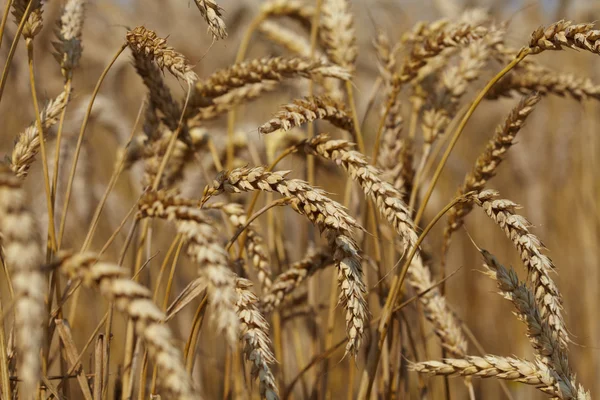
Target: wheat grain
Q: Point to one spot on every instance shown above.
(287, 38)
(508, 368)
(545, 81)
(565, 33)
(255, 247)
(545, 341)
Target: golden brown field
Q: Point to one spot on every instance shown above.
(299, 199)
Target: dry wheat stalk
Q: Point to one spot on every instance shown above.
(68, 48)
(255, 333)
(27, 143)
(389, 202)
(487, 163)
(258, 70)
(211, 12)
(34, 23)
(543, 339)
(307, 110)
(135, 301)
(329, 216)
(145, 42)
(539, 266)
(338, 34)
(204, 249)
(297, 273)
(257, 252)
(22, 254)
(565, 33)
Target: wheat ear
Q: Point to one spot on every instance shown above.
(298, 272)
(255, 334)
(23, 257)
(203, 248)
(539, 266)
(135, 301)
(258, 70)
(306, 110)
(27, 144)
(146, 42)
(211, 12)
(330, 217)
(68, 47)
(389, 202)
(543, 339)
(487, 163)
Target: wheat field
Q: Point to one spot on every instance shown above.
(299, 199)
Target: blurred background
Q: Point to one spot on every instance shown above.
(552, 171)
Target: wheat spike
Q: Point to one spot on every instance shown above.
(539, 266)
(27, 143)
(23, 257)
(211, 12)
(330, 217)
(135, 301)
(146, 42)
